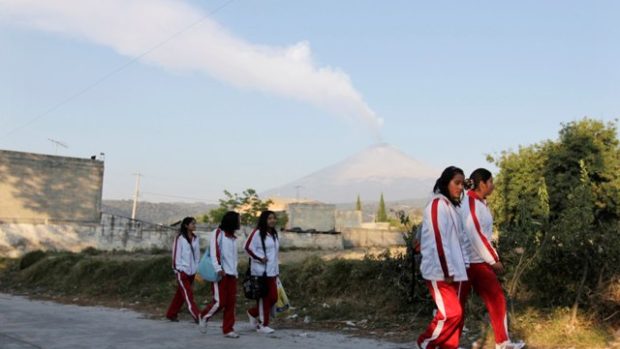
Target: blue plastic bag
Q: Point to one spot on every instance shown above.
(206, 270)
(205, 267)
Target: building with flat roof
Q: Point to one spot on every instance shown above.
(37, 188)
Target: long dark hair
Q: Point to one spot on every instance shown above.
(183, 230)
(230, 222)
(441, 185)
(262, 226)
(479, 175)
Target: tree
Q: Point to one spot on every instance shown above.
(203, 218)
(557, 209)
(358, 203)
(381, 213)
(282, 219)
(248, 204)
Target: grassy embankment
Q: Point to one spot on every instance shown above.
(368, 292)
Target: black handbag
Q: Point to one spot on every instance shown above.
(255, 287)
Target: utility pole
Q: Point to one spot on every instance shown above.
(135, 195)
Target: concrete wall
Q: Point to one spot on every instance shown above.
(348, 219)
(38, 188)
(287, 240)
(113, 233)
(19, 238)
(320, 217)
(125, 234)
(311, 241)
(360, 237)
(375, 226)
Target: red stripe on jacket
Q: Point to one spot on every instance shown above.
(247, 245)
(174, 254)
(440, 251)
(217, 247)
(472, 210)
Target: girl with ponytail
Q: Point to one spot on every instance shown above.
(485, 264)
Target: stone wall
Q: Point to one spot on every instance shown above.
(37, 188)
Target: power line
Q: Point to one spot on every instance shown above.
(115, 71)
(179, 197)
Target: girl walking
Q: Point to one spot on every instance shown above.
(185, 258)
(224, 258)
(262, 245)
(443, 263)
(485, 263)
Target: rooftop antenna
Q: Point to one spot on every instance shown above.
(57, 144)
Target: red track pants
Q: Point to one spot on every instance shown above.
(445, 329)
(262, 310)
(184, 294)
(485, 283)
(225, 298)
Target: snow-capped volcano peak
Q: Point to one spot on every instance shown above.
(381, 168)
(380, 161)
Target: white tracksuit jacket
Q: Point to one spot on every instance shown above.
(443, 242)
(223, 250)
(478, 224)
(185, 257)
(254, 248)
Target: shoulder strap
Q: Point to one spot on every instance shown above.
(191, 246)
(264, 250)
(263, 242)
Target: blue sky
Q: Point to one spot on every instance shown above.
(451, 82)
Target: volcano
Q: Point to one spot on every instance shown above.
(381, 168)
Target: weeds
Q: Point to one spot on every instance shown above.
(374, 292)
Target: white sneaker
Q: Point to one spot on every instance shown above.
(202, 324)
(231, 334)
(510, 345)
(265, 330)
(253, 320)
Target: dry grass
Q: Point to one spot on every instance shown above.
(325, 288)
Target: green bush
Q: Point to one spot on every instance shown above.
(31, 258)
(557, 208)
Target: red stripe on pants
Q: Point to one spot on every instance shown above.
(443, 331)
(268, 301)
(184, 294)
(227, 294)
(485, 283)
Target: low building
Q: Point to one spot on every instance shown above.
(37, 188)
